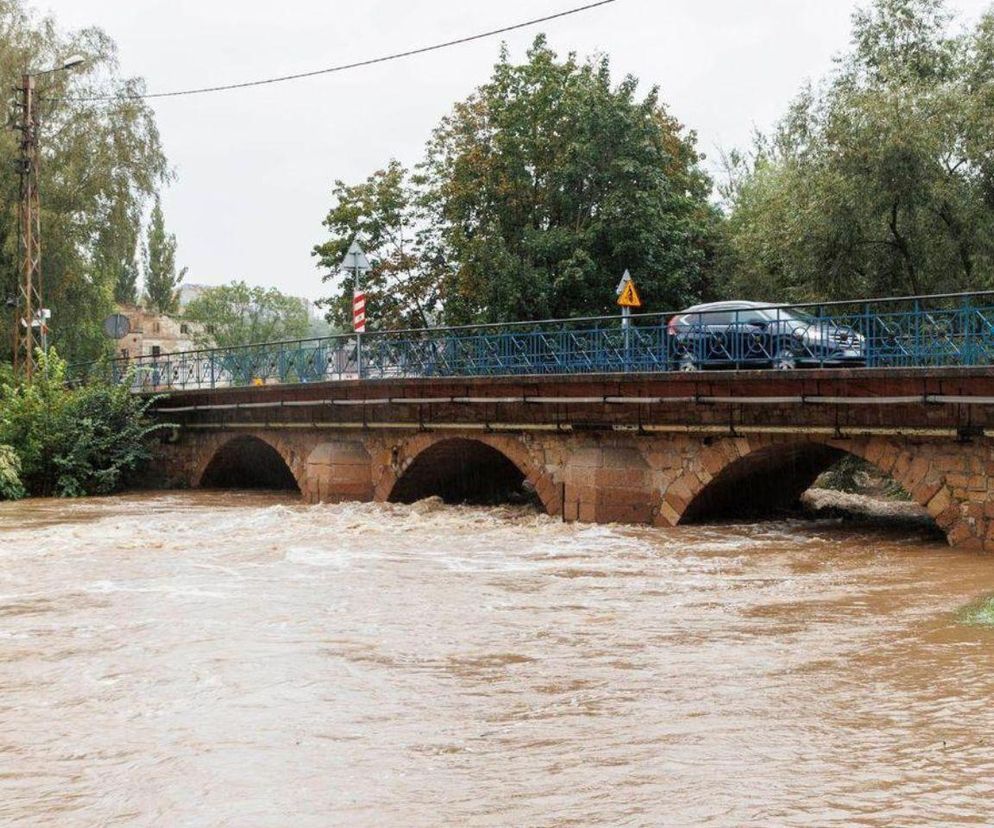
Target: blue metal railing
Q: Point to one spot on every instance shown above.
(940, 330)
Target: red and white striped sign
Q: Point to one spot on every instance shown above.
(359, 312)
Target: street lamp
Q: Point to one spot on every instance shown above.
(30, 312)
(70, 62)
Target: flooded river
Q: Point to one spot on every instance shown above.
(245, 660)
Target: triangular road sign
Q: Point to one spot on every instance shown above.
(629, 296)
(355, 258)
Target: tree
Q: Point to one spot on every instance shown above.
(71, 440)
(126, 284)
(161, 279)
(101, 163)
(536, 193)
(383, 214)
(549, 181)
(878, 182)
(237, 314)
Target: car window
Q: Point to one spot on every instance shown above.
(716, 317)
(785, 315)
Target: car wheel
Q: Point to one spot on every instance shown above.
(688, 362)
(785, 360)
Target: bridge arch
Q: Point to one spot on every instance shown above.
(478, 469)
(247, 461)
(748, 477)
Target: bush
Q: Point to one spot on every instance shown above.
(857, 476)
(74, 441)
(11, 487)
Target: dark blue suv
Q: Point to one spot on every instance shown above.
(733, 334)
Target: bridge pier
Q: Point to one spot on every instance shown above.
(336, 471)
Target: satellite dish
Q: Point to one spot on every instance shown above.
(117, 326)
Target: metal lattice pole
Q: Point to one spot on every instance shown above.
(28, 308)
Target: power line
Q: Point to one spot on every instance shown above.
(355, 65)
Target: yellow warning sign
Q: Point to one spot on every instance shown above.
(629, 296)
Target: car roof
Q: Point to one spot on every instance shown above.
(727, 305)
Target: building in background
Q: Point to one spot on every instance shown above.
(154, 334)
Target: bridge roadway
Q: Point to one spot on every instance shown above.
(636, 448)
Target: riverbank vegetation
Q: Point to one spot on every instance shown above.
(69, 441)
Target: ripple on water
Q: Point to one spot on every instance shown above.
(209, 658)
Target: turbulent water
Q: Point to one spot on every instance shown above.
(244, 660)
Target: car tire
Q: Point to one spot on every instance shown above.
(687, 363)
(784, 360)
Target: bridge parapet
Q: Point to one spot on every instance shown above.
(944, 330)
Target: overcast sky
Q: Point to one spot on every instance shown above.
(255, 167)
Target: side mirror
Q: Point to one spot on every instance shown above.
(758, 323)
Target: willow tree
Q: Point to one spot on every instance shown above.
(101, 163)
(879, 181)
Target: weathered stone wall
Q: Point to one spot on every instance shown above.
(658, 478)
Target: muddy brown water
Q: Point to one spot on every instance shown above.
(245, 660)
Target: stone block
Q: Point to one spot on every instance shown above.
(669, 514)
(940, 502)
(916, 472)
(925, 491)
(959, 533)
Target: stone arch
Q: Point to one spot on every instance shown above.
(766, 480)
(246, 461)
(775, 471)
(429, 464)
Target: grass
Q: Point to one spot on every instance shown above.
(979, 614)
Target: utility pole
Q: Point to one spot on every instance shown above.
(28, 307)
(29, 311)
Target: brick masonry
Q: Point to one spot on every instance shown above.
(612, 476)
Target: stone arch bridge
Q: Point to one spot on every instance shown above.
(660, 450)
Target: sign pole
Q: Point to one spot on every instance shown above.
(358, 329)
(626, 326)
(355, 261)
(628, 298)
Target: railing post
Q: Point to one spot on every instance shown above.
(823, 326)
(917, 339)
(967, 312)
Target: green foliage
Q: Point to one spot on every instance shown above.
(536, 193)
(161, 279)
(126, 284)
(880, 181)
(383, 213)
(11, 487)
(101, 162)
(237, 314)
(73, 441)
(978, 614)
(858, 476)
